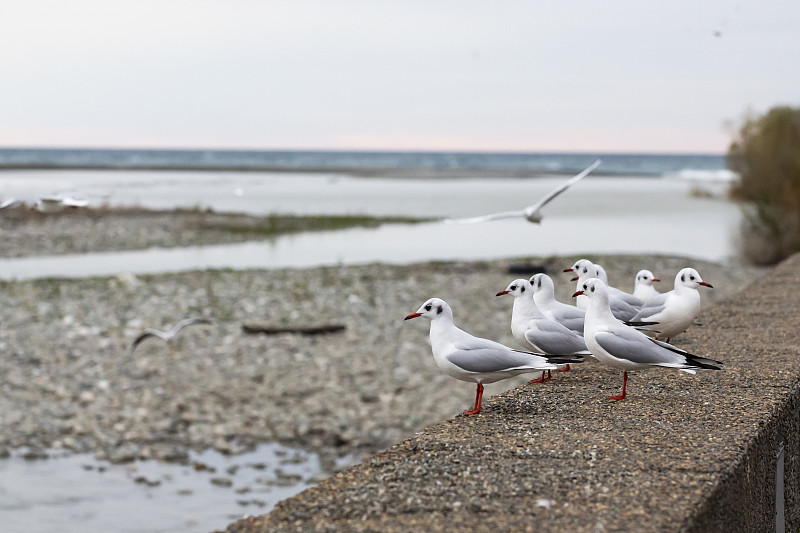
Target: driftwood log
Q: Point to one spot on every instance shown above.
(303, 330)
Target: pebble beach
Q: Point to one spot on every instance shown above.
(70, 382)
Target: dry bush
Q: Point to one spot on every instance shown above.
(766, 155)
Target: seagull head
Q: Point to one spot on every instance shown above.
(592, 287)
(645, 277)
(689, 277)
(433, 309)
(540, 281)
(583, 269)
(517, 288)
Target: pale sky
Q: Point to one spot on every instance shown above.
(583, 75)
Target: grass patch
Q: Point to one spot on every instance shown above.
(274, 225)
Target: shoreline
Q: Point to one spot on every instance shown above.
(26, 233)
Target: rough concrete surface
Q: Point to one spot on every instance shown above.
(680, 453)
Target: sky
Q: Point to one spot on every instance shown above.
(529, 76)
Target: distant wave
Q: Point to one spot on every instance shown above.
(717, 176)
(421, 163)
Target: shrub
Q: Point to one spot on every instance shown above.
(766, 155)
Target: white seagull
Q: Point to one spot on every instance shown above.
(620, 346)
(532, 212)
(468, 358)
(168, 335)
(544, 294)
(643, 285)
(623, 305)
(46, 204)
(536, 332)
(673, 311)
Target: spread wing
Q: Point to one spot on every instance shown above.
(485, 218)
(145, 334)
(189, 322)
(561, 188)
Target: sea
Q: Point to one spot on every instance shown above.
(673, 204)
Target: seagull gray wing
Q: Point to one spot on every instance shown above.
(621, 309)
(626, 297)
(561, 188)
(485, 218)
(188, 322)
(145, 334)
(554, 338)
(631, 345)
(486, 360)
(571, 317)
(651, 307)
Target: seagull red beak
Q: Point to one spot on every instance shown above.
(704, 284)
(656, 279)
(577, 293)
(501, 293)
(412, 315)
(568, 269)
(574, 279)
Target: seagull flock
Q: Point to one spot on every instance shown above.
(554, 334)
(606, 323)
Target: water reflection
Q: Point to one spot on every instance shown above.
(76, 492)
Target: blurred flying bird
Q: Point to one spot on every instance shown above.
(168, 335)
(531, 213)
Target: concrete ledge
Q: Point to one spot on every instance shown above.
(681, 453)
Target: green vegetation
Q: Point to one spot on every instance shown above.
(274, 225)
(766, 155)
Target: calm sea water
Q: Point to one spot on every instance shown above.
(537, 163)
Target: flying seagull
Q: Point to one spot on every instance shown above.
(531, 213)
(169, 334)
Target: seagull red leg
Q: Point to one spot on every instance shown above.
(478, 398)
(541, 379)
(565, 369)
(624, 384)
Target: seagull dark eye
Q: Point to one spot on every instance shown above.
(513, 287)
(691, 278)
(428, 307)
(585, 286)
(585, 270)
(522, 289)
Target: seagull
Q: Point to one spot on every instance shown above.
(46, 204)
(643, 285)
(168, 335)
(468, 358)
(623, 305)
(673, 311)
(531, 213)
(620, 346)
(536, 332)
(545, 297)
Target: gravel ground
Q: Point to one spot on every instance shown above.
(690, 453)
